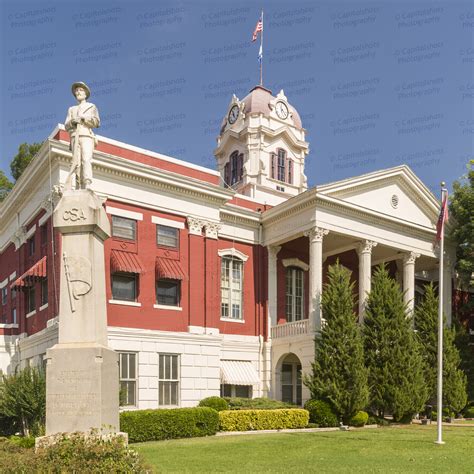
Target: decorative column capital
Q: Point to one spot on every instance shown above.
(195, 225)
(273, 251)
(19, 237)
(212, 229)
(410, 257)
(316, 234)
(366, 246)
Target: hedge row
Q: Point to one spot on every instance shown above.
(153, 425)
(247, 420)
(237, 403)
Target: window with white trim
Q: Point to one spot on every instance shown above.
(294, 294)
(128, 378)
(124, 228)
(30, 298)
(168, 380)
(281, 166)
(167, 236)
(4, 295)
(44, 291)
(168, 292)
(231, 288)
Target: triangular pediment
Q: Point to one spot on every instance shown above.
(395, 192)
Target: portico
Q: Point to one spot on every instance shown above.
(343, 222)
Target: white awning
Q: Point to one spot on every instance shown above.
(238, 372)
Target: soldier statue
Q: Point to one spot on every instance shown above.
(80, 121)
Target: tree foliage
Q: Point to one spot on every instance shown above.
(462, 209)
(23, 400)
(339, 376)
(392, 355)
(5, 186)
(26, 152)
(454, 379)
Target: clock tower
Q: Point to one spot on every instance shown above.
(261, 147)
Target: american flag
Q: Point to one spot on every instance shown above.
(258, 29)
(443, 217)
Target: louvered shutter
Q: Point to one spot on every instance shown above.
(240, 167)
(227, 174)
(289, 171)
(273, 164)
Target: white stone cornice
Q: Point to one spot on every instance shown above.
(212, 229)
(295, 262)
(410, 258)
(316, 234)
(195, 225)
(366, 246)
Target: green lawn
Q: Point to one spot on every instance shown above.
(407, 449)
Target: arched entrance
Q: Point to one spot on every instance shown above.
(288, 377)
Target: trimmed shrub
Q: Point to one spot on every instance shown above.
(154, 425)
(247, 420)
(376, 420)
(321, 413)
(469, 412)
(217, 403)
(236, 403)
(359, 419)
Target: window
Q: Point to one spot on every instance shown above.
(231, 288)
(241, 391)
(30, 299)
(234, 169)
(4, 295)
(168, 292)
(44, 234)
(291, 383)
(14, 315)
(44, 291)
(168, 380)
(124, 228)
(31, 246)
(294, 294)
(124, 286)
(281, 166)
(128, 378)
(167, 236)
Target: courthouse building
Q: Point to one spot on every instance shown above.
(213, 277)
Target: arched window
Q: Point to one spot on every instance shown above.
(231, 287)
(234, 168)
(281, 166)
(294, 294)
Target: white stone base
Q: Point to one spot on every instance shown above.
(82, 389)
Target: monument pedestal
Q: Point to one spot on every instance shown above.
(82, 388)
(82, 379)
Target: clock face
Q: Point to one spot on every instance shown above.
(282, 110)
(233, 114)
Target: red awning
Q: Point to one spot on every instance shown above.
(125, 262)
(38, 270)
(170, 269)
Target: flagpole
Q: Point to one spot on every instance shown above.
(261, 49)
(439, 407)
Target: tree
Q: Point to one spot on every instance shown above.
(5, 186)
(392, 356)
(26, 152)
(454, 386)
(23, 400)
(339, 376)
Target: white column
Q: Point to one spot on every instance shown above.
(272, 287)
(365, 274)
(315, 276)
(448, 267)
(409, 280)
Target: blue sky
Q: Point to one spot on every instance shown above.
(376, 84)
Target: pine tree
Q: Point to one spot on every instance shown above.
(392, 355)
(339, 376)
(454, 379)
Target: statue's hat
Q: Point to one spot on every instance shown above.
(83, 85)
